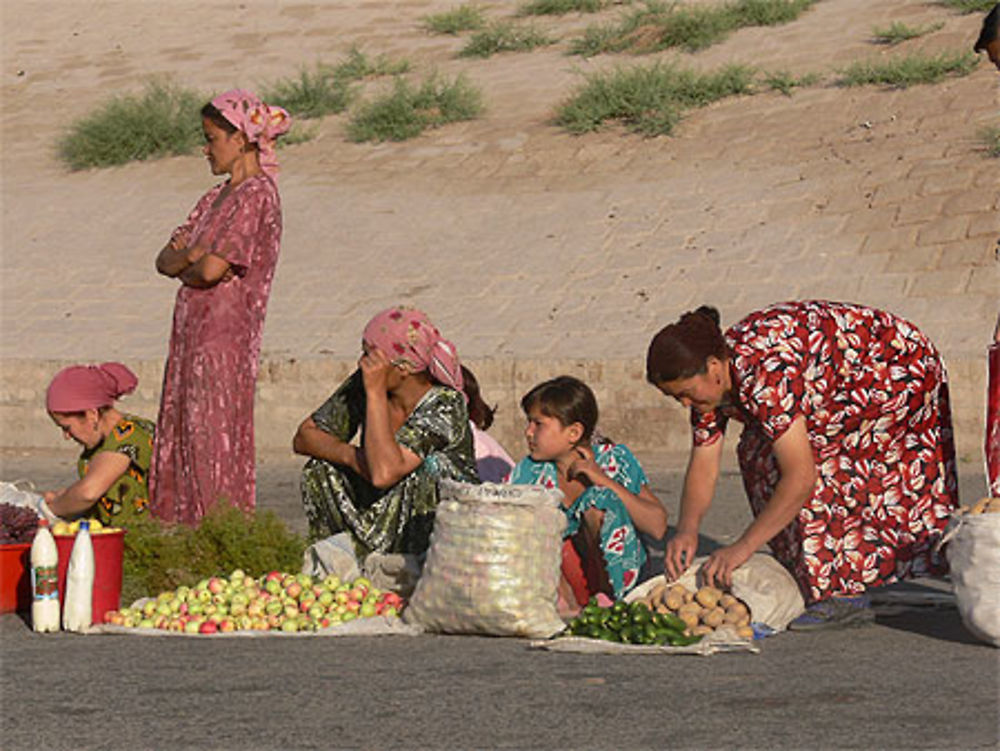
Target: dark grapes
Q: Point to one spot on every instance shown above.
(17, 524)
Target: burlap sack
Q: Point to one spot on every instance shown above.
(493, 564)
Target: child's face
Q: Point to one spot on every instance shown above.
(548, 439)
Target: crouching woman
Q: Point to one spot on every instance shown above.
(117, 447)
(406, 401)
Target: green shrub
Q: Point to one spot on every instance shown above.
(783, 81)
(504, 36)
(968, 6)
(990, 138)
(327, 89)
(648, 100)
(454, 21)
(406, 111)
(163, 121)
(659, 25)
(561, 7)
(161, 556)
(898, 32)
(910, 70)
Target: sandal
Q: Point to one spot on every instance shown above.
(837, 612)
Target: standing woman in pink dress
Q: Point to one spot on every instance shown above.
(224, 256)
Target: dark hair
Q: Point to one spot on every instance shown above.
(990, 30)
(480, 412)
(568, 400)
(682, 349)
(211, 112)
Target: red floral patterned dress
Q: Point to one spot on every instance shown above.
(874, 395)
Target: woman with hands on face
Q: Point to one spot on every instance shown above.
(846, 452)
(405, 404)
(606, 496)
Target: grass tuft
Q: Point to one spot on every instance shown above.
(660, 25)
(454, 21)
(968, 6)
(990, 138)
(910, 70)
(161, 556)
(561, 7)
(407, 111)
(783, 81)
(505, 36)
(328, 89)
(162, 121)
(648, 100)
(897, 32)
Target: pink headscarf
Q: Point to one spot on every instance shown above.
(260, 123)
(81, 387)
(407, 334)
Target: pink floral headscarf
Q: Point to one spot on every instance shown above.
(82, 387)
(261, 124)
(407, 334)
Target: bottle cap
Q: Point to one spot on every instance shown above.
(85, 524)
(43, 522)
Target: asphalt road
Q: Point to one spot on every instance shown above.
(915, 679)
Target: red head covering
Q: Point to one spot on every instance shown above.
(407, 334)
(261, 124)
(81, 387)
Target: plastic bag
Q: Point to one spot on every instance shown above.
(331, 555)
(974, 556)
(493, 564)
(11, 493)
(769, 591)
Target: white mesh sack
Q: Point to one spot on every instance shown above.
(494, 561)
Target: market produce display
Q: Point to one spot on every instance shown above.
(631, 623)
(277, 601)
(17, 524)
(703, 611)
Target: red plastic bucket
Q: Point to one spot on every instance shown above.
(15, 577)
(109, 549)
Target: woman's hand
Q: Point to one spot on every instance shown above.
(681, 549)
(717, 571)
(375, 369)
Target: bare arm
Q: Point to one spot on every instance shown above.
(207, 271)
(194, 265)
(696, 498)
(644, 508)
(388, 462)
(79, 497)
(311, 440)
(798, 479)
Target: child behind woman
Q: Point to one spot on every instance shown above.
(606, 493)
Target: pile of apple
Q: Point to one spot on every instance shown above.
(276, 602)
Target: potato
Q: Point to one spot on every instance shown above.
(708, 596)
(656, 594)
(745, 631)
(701, 630)
(688, 595)
(662, 609)
(736, 612)
(690, 613)
(673, 600)
(726, 600)
(713, 618)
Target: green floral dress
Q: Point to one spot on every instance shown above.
(398, 519)
(129, 494)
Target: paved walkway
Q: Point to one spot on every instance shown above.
(533, 250)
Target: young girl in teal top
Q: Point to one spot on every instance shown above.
(606, 493)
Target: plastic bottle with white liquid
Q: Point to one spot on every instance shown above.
(78, 604)
(44, 580)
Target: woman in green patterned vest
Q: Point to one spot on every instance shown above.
(117, 447)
